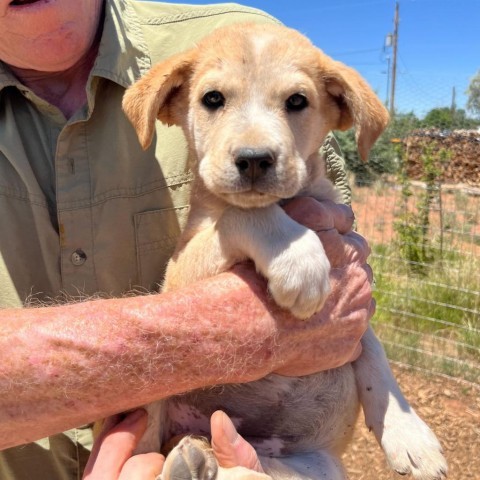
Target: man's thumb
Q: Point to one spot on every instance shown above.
(229, 447)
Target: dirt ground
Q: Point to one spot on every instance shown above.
(450, 408)
(377, 210)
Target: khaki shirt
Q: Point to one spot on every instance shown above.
(83, 208)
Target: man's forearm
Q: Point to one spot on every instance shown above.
(68, 365)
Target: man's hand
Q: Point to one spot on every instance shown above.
(330, 338)
(350, 304)
(230, 448)
(111, 457)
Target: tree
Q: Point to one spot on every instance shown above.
(473, 92)
(439, 118)
(384, 155)
(446, 118)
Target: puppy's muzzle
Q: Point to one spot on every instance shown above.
(254, 163)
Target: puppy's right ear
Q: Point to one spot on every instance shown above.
(357, 103)
(159, 94)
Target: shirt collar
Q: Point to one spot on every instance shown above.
(7, 78)
(123, 55)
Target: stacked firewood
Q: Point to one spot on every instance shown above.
(457, 154)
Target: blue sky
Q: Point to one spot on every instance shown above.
(439, 42)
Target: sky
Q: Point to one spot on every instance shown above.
(438, 43)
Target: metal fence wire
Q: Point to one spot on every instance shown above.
(422, 220)
(428, 308)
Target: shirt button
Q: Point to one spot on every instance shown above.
(78, 257)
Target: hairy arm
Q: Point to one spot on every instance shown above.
(67, 365)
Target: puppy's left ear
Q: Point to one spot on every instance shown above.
(359, 106)
(159, 94)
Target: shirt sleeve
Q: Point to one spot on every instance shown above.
(336, 167)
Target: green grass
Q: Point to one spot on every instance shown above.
(430, 320)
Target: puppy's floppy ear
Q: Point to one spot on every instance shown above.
(157, 95)
(359, 106)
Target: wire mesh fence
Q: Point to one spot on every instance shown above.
(428, 308)
(418, 204)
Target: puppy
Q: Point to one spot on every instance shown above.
(255, 103)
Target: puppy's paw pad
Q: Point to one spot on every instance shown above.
(191, 459)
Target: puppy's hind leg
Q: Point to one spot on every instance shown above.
(409, 444)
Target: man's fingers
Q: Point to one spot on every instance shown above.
(369, 271)
(113, 448)
(372, 308)
(351, 287)
(342, 250)
(320, 216)
(146, 466)
(230, 448)
(343, 217)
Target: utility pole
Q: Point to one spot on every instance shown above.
(394, 60)
(454, 101)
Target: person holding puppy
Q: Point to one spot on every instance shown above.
(87, 213)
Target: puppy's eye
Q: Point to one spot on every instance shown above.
(213, 100)
(296, 102)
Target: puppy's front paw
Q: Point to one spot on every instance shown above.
(298, 277)
(411, 447)
(191, 459)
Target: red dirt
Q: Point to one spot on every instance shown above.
(450, 408)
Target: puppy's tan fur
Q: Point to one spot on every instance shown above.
(248, 152)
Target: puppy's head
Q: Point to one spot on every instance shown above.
(255, 103)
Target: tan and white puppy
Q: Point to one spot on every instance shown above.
(255, 103)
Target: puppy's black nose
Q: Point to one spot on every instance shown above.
(254, 162)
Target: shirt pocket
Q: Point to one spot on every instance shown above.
(156, 235)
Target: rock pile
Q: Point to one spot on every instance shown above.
(462, 149)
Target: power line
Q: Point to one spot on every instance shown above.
(355, 52)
